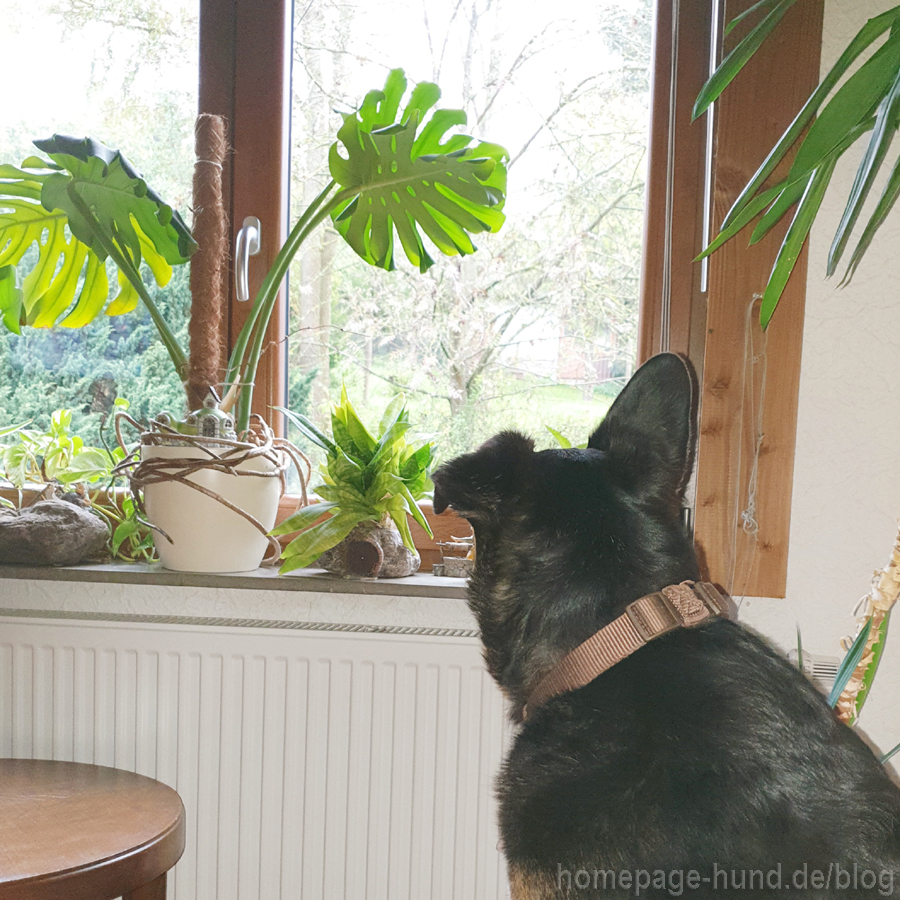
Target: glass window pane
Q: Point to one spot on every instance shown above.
(539, 327)
(124, 73)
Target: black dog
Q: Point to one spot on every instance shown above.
(701, 765)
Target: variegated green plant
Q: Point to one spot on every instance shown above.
(390, 173)
(365, 477)
(869, 100)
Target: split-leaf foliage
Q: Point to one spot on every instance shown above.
(405, 175)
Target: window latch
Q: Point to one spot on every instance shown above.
(246, 245)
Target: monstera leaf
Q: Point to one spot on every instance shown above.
(103, 194)
(10, 299)
(395, 178)
(389, 176)
(86, 204)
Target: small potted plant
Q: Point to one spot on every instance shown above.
(50, 483)
(370, 483)
(388, 175)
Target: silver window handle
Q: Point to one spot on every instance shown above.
(245, 246)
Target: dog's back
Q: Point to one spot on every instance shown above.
(703, 763)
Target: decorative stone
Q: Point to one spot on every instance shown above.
(50, 533)
(454, 567)
(371, 550)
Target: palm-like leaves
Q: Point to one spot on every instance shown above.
(869, 100)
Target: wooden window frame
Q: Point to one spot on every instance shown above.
(709, 323)
(245, 53)
(245, 67)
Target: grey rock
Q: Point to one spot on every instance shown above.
(50, 533)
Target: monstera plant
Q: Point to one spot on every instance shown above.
(390, 174)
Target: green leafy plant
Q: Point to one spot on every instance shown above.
(365, 478)
(868, 101)
(848, 665)
(58, 457)
(564, 442)
(38, 457)
(389, 174)
(130, 538)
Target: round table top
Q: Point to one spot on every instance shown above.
(75, 831)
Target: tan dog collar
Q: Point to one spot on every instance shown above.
(676, 606)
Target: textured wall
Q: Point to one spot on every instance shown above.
(847, 473)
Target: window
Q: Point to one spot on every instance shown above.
(537, 328)
(246, 50)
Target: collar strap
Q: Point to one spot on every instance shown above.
(676, 606)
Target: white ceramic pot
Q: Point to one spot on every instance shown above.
(206, 535)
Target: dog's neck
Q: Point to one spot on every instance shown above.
(535, 602)
(523, 642)
(684, 605)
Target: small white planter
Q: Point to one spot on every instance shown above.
(206, 535)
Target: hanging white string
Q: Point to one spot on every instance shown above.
(746, 520)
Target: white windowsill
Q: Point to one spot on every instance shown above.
(312, 598)
(419, 585)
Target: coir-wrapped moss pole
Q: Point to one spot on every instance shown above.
(208, 273)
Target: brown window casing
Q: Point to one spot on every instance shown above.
(752, 114)
(245, 54)
(245, 59)
(673, 307)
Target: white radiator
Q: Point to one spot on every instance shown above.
(312, 763)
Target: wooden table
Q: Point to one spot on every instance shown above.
(70, 831)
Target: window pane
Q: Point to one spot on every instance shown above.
(539, 327)
(124, 73)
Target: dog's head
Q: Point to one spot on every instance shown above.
(567, 538)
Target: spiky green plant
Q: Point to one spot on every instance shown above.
(365, 478)
(831, 121)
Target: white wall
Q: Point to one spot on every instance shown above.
(846, 499)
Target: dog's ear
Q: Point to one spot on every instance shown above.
(477, 484)
(648, 433)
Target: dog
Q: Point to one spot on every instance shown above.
(703, 764)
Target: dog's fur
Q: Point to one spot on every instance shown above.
(702, 751)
